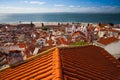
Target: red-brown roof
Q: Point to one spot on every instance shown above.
(103, 29)
(78, 33)
(61, 40)
(78, 63)
(88, 63)
(90, 27)
(22, 45)
(116, 31)
(108, 40)
(49, 42)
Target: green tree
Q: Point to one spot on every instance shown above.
(31, 24)
(42, 24)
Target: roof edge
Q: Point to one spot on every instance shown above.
(29, 59)
(72, 46)
(104, 53)
(57, 65)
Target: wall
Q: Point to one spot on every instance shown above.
(114, 49)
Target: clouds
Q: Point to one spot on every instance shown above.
(14, 9)
(35, 2)
(71, 6)
(59, 5)
(103, 9)
(39, 6)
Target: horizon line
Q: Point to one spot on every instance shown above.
(63, 12)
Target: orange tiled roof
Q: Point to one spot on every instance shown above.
(88, 63)
(116, 31)
(49, 42)
(79, 63)
(78, 33)
(108, 40)
(22, 45)
(90, 27)
(103, 29)
(62, 40)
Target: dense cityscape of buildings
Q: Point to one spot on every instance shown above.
(21, 41)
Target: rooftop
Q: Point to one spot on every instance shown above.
(108, 40)
(67, 63)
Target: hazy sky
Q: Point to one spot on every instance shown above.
(40, 6)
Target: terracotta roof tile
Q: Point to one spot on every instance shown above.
(103, 29)
(62, 41)
(108, 40)
(89, 62)
(22, 45)
(49, 42)
(116, 31)
(78, 33)
(90, 27)
(70, 63)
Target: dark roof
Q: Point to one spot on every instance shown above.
(70, 63)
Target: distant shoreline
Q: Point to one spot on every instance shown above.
(52, 22)
(45, 23)
(63, 13)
